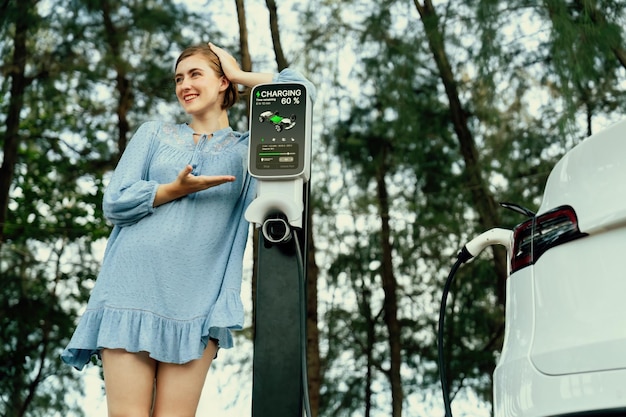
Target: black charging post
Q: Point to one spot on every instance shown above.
(280, 159)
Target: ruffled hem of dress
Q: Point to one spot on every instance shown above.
(165, 339)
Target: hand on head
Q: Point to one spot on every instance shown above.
(228, 62)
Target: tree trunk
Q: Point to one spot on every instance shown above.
(246, 60)
(246, 65)
(366, 312)
(19, 82)
(122, 83)
(482, 198)
(278, 48)
(390, 286)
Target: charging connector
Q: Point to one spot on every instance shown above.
(495, 236)
(276, 230)
(472, 249)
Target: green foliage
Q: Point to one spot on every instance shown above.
(68, 144)
(35, 318)
(532, 77)
(584, 57)
(398, 122)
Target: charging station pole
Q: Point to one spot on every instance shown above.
(280, 159)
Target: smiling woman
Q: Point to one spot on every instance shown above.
(168, 294)
(199, 67)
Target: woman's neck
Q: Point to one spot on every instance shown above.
(210, 124)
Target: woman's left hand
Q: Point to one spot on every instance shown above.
(228, 62)
(237, 75)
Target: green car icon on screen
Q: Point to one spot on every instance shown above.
(280, 122)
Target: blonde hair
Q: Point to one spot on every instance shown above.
(231, 95)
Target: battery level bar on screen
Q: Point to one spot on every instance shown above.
(276, 153)
(283, 157)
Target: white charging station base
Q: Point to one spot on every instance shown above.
(278, 196)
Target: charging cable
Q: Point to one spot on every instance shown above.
(303, 335)
(473, 248)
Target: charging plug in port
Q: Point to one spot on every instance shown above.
(276, 230)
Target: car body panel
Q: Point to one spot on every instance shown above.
(580, 311)
(524, 392)
(592, 178)
(564, 347)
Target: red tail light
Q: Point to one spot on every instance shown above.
(534, 237)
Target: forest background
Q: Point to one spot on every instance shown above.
(430, 113)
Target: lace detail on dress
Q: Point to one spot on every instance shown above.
(172, 135)
(222, 143)
(181, 137)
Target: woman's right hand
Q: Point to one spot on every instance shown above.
(187, 183)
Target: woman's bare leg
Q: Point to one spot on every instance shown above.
(178, 387)
(129, 382)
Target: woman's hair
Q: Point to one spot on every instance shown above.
(231, 95)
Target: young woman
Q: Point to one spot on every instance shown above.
(168, 293)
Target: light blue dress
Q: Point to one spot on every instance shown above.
(171, 275)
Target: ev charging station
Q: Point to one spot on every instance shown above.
(280, 159)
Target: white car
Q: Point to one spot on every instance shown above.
(564, 352)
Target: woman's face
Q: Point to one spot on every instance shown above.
(199, 88)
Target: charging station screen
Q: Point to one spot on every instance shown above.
(278, 119)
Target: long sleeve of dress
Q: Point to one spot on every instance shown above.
(289, 75)
(129, 197)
